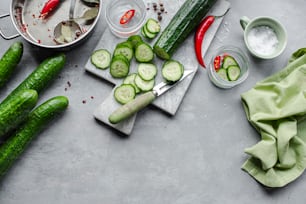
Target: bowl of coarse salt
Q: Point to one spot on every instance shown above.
(265, 37)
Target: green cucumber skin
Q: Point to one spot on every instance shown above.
(37, 120)
(134, 39)
(42, 76)
(14, 113)
(181, 25)
(9, 61)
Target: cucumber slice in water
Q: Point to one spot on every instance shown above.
(223, 74)
(228, 61)
(233, 72)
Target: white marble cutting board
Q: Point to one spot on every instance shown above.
(170, 101)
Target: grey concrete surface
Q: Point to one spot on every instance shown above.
(191, 158)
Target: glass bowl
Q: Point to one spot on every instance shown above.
(240, 58)
(116, 9)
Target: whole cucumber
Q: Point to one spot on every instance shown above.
(37, 120)
(9, 61)
(41, 76)
(14, 113)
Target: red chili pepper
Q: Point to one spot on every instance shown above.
(217, 62)
(127, 16)
(49, 6)
(200, 33)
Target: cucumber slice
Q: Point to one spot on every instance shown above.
(124, 93)
(147, 33)
(172, 70)
(144, 52)
(143, 33)
(152, 26)
(223, 74)
(134, 39)
(130, 79)
(119, 67)
(233, 72)
(147, 71)
(101, 58)
(125, 43)
(125, 49)
(144, 85)
(228, 61)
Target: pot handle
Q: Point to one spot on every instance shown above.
(5, 36)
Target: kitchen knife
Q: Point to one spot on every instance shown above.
(143, 100)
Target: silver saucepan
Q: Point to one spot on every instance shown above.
(37, 30)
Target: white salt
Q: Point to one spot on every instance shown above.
(263, 40)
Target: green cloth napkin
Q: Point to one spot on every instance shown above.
(276, 107)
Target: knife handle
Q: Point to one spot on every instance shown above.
(131, 107)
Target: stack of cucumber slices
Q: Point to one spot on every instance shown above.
(143, 79)
(150, 29)
(228, 68)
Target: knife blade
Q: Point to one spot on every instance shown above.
(140, 102)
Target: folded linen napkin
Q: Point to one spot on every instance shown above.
(276, 107)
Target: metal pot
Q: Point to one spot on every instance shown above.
(26, 18)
